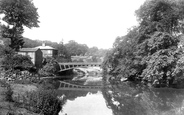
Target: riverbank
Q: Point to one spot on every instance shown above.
(10, 107)
(28, 99)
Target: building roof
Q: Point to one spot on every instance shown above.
(44, 47)
(28, 49)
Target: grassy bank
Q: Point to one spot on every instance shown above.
(28, 99)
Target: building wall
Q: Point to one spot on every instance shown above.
(47, 53)
(36, 57)
(39, 58)
(32, 55)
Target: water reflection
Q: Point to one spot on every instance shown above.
(84, 103)
(128, 99)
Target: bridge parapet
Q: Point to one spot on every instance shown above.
(72, 65)
(68, 86)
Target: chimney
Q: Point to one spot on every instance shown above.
(43, 44)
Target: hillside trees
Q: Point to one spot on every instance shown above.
(17, 13)
(149, 52)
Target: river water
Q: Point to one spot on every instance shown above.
(123, 99)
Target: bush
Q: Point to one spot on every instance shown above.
(50, 67)
(49, 84)
(16, 61)
(3, 83)
(8, 94)
(44, 102)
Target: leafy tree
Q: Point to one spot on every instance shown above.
(92, 51)
(150, 52)
(76, 49)
(63, 54)
(28, 43)
(17, 13)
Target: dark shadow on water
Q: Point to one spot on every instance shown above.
(128, 99)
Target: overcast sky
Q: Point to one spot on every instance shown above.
(91, 22)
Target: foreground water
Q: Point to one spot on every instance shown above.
(85, 103)
(123, 99)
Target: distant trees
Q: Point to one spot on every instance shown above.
(63, 53)
(149, 52)
(28, 43)
(75, 48)
(96, 53)
(17, 13)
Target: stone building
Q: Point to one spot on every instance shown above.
(35, 54)
(47, 51)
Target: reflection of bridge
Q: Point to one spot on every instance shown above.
(72, 65)
(68, 86)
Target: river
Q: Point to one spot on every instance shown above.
(124, 99)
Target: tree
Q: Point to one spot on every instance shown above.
(150, 52)
(76, 49)
(92, 51)
(63, 54)
(28, 43)
(17, 13)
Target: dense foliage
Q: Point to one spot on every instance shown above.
(150, 52)
(96, 53)
(45, 102)
(50, 67)
(75, 48)
(13, 62)
(17, 13)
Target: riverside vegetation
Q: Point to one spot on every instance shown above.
(152, 52)
(21, 99)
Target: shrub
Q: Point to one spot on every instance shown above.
(8, 94)
(50, 67)
(49, 84)
(16, 61)
(44, 102)
(3, 83)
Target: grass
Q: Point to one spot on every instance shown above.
(8, 107)
(21, 99)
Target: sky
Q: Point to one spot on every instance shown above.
(92, 22)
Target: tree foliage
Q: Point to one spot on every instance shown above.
(17, 13)
(150, 51)
(16, 61)
(75, 48)
(50, 67)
